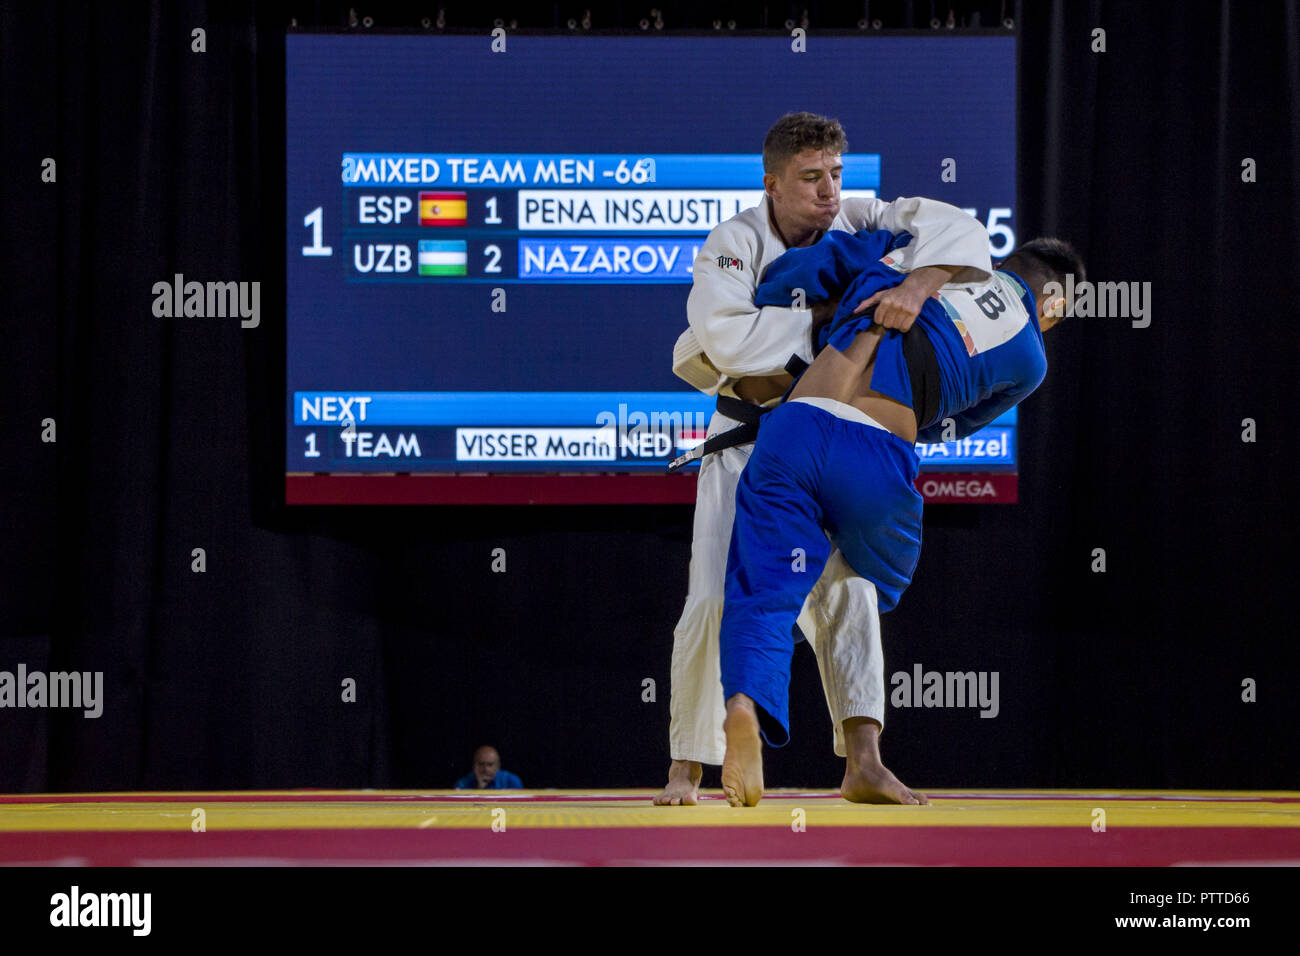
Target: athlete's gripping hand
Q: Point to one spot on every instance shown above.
(896, 308)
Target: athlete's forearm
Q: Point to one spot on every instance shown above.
(927, 280)
(898, 306)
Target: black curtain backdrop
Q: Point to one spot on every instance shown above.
(168, 440)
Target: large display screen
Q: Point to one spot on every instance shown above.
(490, 241)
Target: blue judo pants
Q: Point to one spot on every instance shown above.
(810, 471)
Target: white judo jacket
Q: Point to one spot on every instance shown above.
(741, 339)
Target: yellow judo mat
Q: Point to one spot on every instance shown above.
(978, 827)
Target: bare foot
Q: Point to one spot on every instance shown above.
(874, 783)
(867, 780)
(683, 787)
(742, 767)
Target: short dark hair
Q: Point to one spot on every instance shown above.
(1044, 260)
(795, 132)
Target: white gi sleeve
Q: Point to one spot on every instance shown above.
(740, 338)
(943, 235)
(689, 365)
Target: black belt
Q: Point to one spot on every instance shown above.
(923, 370)
(744, 412)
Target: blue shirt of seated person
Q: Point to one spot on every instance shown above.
(487, 773)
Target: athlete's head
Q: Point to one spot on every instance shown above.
(1044, 263)
(486, 764)
(801, 172)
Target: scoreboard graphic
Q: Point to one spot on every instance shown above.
(546, 218)
(486, 273)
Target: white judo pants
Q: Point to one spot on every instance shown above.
(839, 619)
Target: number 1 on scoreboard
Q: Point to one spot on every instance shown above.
(313, 219)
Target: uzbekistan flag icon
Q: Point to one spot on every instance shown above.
(443, 257)
(442, 209)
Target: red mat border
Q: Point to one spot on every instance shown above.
(915, 846)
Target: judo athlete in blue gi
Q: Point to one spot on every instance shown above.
(835, 466)
(738, 350)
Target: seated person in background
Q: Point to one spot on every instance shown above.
(487, 773)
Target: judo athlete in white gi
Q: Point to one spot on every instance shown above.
(738, 351)
(837, 461)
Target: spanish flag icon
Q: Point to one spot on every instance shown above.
(442, 209)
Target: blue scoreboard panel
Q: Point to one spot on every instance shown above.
(489, 253)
